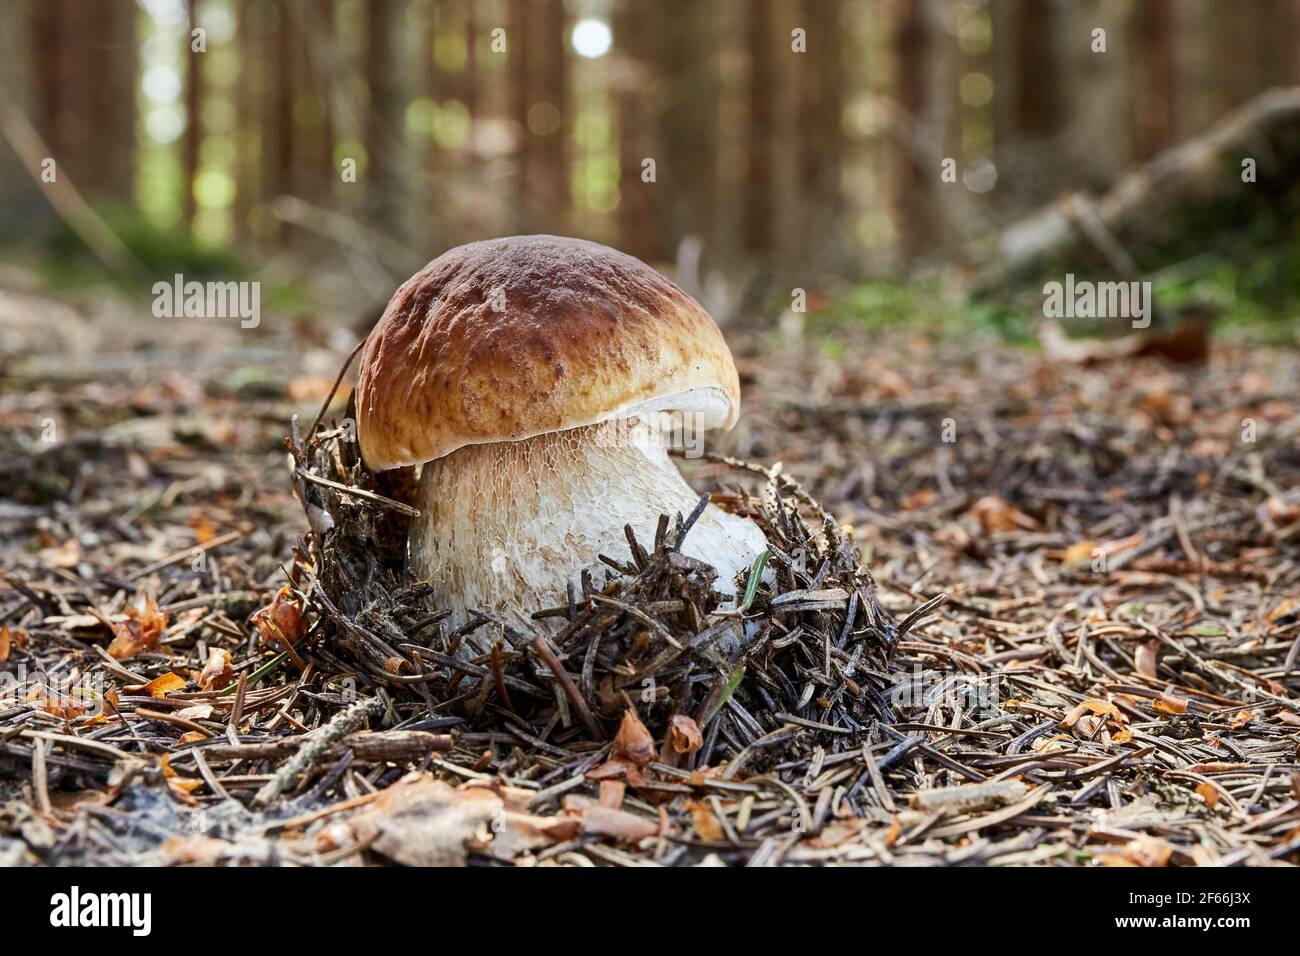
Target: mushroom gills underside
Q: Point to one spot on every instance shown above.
(506, 526)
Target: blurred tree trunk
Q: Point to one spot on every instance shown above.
(916, 171)
(384, 118)
(471, 84)
(1156, 104)
(85, 59)
(1293, 43)
(432, 86)
(1256, 44)
(821, 107)
(27, 210)
(274, 94)
(757, 212)
(941, 118)
(315, 70)
(520, 100)
(688, 119)
(1036, 102)
(1032, 63)
(193, 115)
(637, 229)
(1201, 83)
(1235, 57)
(550, 174)
(1275, 36)
(1095, 140)
(540, 98)
(249, 157)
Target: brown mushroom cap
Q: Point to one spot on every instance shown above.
(510, 338)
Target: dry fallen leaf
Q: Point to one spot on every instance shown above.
(203, 529)
(66, 555)
(182, 788)
(918, 500)
(419, 821)
(1286, 608)
(1147, 851)
(1171, 704)
(996, 515)
(1242, 717)
(1102, 708)
(611, 793)
(633, 750)
(633, 741)
(1144, 660)
(617, 824)
(684, 734)
(281, 621)
(1079, 553)
(141, 631)
(160, 687)
(66, 706)
(217, 671)
(706, 823)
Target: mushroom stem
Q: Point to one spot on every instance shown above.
(507, 525)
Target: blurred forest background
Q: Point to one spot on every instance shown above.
(1112, 518)
(796, 138)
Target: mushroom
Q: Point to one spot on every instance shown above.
(533, 378)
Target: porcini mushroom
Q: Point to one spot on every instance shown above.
(531, 377)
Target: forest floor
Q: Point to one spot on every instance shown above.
(1110, 681)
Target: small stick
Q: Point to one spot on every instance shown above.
(343, 724)
(543, 648)
(499, 677)
(227, 538)
(360, 493)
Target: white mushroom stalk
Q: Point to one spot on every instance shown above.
(506, 526)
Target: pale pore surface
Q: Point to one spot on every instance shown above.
(506, 525)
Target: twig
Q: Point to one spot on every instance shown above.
(343, 724)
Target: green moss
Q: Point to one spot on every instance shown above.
(162, 252)
(920, 306)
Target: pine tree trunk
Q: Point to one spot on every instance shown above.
(757, 212)
(551, 159)
(517, 48)
(85, 69)
(915, 218)
(1155, 37)
(819, 155)
(638, 232)
(277, 94)
(193, 115)
(688, 118)
(384, 119)
(27, 211)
